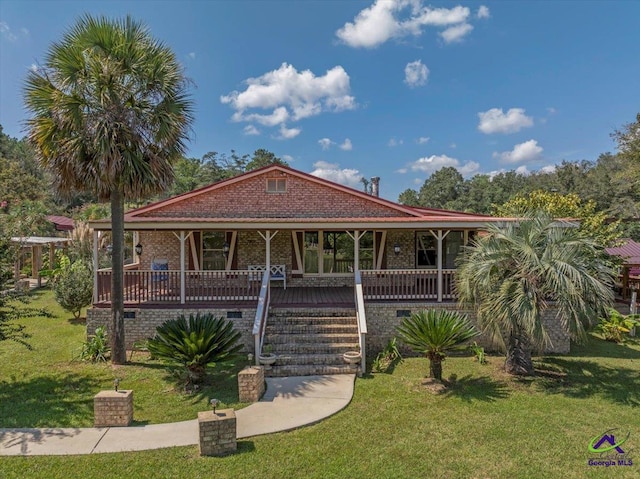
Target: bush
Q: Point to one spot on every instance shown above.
(96, 348)
(616, 326)
(73, 286)
(195, 343)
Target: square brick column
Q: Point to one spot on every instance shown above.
(251, 384)
(217, 432)
(113, 408)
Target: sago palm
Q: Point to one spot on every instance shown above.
(195, 343)
(515, 273)
(109, 116)
(434, 334)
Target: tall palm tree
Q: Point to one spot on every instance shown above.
(109, 115)
(434, 333)
(516, 272)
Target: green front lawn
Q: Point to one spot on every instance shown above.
(488, 425)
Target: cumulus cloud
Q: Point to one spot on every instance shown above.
(346, 145)
(332, 171)
(288, 158)
(289, 95)
(430, 164)
(393, 142)
(423, 140)
(325, 143)
(496, 121)
(251, 130)
(456, 33)
(288, 133)
(521, 153)
(548, 168)
(416, 74)
(387, 19)
(483, 12)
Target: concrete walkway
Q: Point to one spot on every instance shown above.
(288, 403)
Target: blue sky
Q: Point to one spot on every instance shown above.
(393, 88)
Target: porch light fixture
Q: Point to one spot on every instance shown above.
(396, 249)
(225, 249)
(138, 249)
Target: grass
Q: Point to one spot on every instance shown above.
(487, 425)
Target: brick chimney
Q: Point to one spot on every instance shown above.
(375, 186)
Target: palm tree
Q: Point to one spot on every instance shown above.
(110, 114)
(516, 272)
(195, 343)
(434, 333)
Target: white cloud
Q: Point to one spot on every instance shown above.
(551, 110)
(393, 142)
(387, 19)
(548, 168)
(483, 12)
(346, 145)
(433, 163)
(332, 171)
(251, 130)
(325, 143)
(290, 95)
(453, 145)
(402, 170)
(418, 181)
(33, 67)
(423, 140)
(521, 153)
(288, 133)
(192, 55)
(522, 170)
(6, 32)
(288, 158)
(456, 33)
(416, 74)
(496, 121)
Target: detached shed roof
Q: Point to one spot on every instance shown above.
(629, 251)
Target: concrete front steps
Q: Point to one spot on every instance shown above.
(311, 342)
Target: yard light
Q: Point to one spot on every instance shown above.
(138, 249)
(116, 383)
(396, 249)
(214, 404)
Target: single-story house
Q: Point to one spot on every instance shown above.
(309, 266)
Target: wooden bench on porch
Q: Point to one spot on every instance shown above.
(278, 272)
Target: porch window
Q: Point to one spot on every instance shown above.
(337, 252)
(452, 247)
(426, 250)
(276, 185)
(311, 239)
(332, 252)
(367, 251)
(212, 250)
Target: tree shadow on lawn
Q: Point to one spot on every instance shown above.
(47, 401)
(582, 379)
(596, 347)
(471, 388)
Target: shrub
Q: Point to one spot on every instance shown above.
(389, 356)
(195, 343)
(96, 348)
(615, 326)
(73, 286)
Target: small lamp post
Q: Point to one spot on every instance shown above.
(116, 383)
(214, 404)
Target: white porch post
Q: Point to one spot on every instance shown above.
(95, 266)
(182, 268)
(268, 253)
(356, 251)
(440, 236)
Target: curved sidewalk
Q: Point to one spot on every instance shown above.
(288, 403)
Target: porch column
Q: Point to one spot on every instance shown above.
(267, 240)
(182, 268)
(95, 266)
(440, 237)
(135, 241)
(356, 250)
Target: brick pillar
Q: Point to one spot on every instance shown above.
(113, 408)
(251, 384)
(217, 432)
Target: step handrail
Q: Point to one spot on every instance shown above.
(361, 317)
(262, 312)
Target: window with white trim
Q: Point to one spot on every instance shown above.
(276, 185)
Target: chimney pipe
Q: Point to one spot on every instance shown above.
(375, 186)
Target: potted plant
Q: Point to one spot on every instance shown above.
(352, 357)
(267, 358)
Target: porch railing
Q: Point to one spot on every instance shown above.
(164, 286)
(262, 312)
(407, 284)
(362, 320)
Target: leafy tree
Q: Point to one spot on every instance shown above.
(195, 343)
(570, 206)
(261, 158)
(515, 273)
(409, 197)
(110, 114)
(435, 333)
(441, 188)
(73, 285)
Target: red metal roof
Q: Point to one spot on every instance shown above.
(62, 223)
(629, 251)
